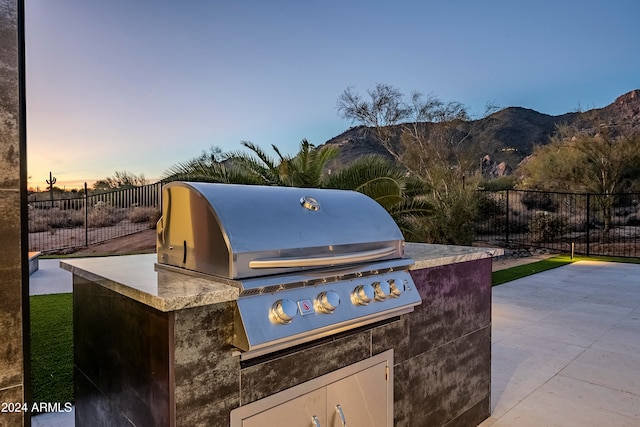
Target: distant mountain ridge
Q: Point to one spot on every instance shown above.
(507, 136)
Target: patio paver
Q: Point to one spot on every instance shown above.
(566, 348)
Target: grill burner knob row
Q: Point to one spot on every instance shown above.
(327, 302)
(283, 311)
(383, 290)
(362, 294)
(397, 287)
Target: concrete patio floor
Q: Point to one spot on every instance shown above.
(565, 346)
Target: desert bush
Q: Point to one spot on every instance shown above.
(46, 219)
(500, 183)
(149, 215)
(576, 222)
(539, 201)
(38, 224)
(633, 219)
(545, 226)
(153, 220)
(104, 215)
(453, 217)
(489, 206)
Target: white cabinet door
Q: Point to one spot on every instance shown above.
(361, 399)
(363, 392)
(298, 412)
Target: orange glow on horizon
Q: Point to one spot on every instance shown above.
(70, 184)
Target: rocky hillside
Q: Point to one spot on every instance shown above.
(507, 136)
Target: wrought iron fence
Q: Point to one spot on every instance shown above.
(72, 222)
(590, 224)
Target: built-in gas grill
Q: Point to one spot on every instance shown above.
(309, 263)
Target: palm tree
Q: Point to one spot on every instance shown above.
(262, 168)
(212, 166)
(305, 169)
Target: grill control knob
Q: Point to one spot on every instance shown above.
(283, 311)
(362, 294)
(327, 302)
(383, 289)
(397, 287)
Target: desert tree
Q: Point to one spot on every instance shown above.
(435, 135)
(597, 161)
(594, 159)
(428, 138)
(121, 179)
(435, 146)
(384, 108)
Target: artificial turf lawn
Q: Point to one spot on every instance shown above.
(52, 348)
(502, 276)
(513, 273)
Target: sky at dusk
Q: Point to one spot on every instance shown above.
(140, 85)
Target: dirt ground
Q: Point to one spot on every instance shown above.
(143, 242)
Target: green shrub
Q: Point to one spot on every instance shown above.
(453, 217)
(546, 227)
(500, 183)
(488, 206)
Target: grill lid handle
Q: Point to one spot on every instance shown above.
(324, 261)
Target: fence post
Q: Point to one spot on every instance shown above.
(86, 216)
(588, 221)
(507, 231)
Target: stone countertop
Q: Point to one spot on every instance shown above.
(135, 276)
(428, 255)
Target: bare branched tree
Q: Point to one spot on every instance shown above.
(384, 108)
(121, 179)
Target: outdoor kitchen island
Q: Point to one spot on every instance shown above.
(152, 347)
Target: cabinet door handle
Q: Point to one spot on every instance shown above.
(315, 421)
(341, 414)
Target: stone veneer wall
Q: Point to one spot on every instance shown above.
(12, 276)
(441, 362)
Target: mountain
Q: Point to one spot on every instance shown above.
(506, 137)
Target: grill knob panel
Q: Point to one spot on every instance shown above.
(283, 311)
(397, 287)
(327, 302)
(362, 294)
(382, 290)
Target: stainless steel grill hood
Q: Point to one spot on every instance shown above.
(240, 231)
(309, 263)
